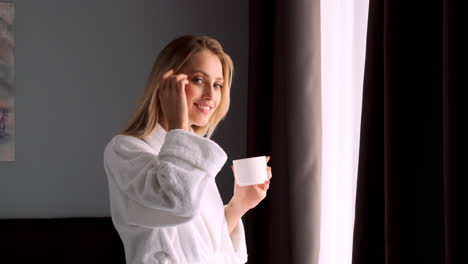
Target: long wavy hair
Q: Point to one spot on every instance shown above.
(173, 56)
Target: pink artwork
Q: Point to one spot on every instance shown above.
(7, 82)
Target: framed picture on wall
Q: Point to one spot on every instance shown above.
(7, 81)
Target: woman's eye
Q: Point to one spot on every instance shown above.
(198, 80)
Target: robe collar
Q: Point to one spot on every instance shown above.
(157, 136)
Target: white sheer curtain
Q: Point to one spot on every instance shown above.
(343, 44)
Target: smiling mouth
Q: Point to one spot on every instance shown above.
(204, 108)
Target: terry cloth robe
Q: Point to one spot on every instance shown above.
(164, 200)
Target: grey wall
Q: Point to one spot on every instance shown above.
(80, 68)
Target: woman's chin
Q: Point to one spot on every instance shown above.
(201, 123)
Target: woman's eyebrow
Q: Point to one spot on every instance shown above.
(206, 74)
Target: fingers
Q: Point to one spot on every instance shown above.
(181, 83)
(164, 78)
(268, 168)
(269, 173)
(177, 82)
(173, 81)
(264, 186)
(167, 74)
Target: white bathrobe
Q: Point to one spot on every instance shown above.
(164, 200)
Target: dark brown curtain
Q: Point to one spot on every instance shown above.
(412, 192)
(284, 121)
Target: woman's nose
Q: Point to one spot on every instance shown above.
(208, 91)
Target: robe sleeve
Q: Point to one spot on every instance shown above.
(163, 188)
(238, 241)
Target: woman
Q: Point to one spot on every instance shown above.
(161, 170)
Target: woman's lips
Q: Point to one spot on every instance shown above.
(204, 108)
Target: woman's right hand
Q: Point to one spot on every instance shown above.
(173, 100)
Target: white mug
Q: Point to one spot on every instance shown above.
(250, 171)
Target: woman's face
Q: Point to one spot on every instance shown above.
(205, 76)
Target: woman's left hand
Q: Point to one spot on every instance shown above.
(248, 197)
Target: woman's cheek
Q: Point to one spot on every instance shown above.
(189, 92)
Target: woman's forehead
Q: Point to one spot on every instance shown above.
(205, 62)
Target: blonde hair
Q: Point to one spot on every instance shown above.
(174, 56)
